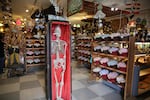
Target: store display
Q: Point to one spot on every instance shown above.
(122, 66)
(120, 79)
(58, 61)
(103, 73)
(141, 83)
(111, 54)
(34, 53)
(73, 44)
(112, 76)
(83, 47)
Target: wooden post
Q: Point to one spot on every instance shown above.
(129, 76)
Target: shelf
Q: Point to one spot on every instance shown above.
(86, 49)
(140, 55)
(96, 41)
(35, 40)
(31, 65)
(35, 48)
(137, 43)
(34, 56)
(112, 69)
(143, 90)
(84, 40)
(83, 54)
(109, 55)
(120, 86)
(145, 72)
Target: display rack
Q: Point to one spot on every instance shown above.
(83, 49)
(73, 44)
(141, 77)
(99, 65)
(35, 52)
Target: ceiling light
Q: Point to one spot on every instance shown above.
(13, 23)
(78, 25)
(1, 24)
(116, 9)
(25, 19)
(27, 10)
(74, 25)
(36, 19)
(84, 17)
(112, 9)
(1, 29)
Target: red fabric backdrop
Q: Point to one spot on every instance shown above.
(65, 35)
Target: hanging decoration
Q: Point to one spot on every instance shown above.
(99, 14)
(54, 3)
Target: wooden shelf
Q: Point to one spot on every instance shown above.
(35, 48)
(41, 41)
(145, 72)
(117, 84)
(111, 41)
(89, 40)
(83, 48)
(109, 55)
(112, 69)
(33, 40)
(83, 54)
(127, 88)
(143, 90)
(31, 65)
(34, 56)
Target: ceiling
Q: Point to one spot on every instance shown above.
(19, 7)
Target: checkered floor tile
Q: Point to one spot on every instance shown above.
(32, 87)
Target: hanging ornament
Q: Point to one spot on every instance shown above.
(53, 2)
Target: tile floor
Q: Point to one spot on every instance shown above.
(32, 87)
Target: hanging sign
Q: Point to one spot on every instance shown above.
(74, 6)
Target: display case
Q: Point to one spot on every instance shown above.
(141, 81)
(58, 60)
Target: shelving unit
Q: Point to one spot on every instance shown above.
(83, 49)
(125, 88)
(73, 44)
(35, 52)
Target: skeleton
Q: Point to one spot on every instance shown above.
(59, 47)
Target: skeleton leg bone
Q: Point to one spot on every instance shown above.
(57, 84)
(61, 84)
